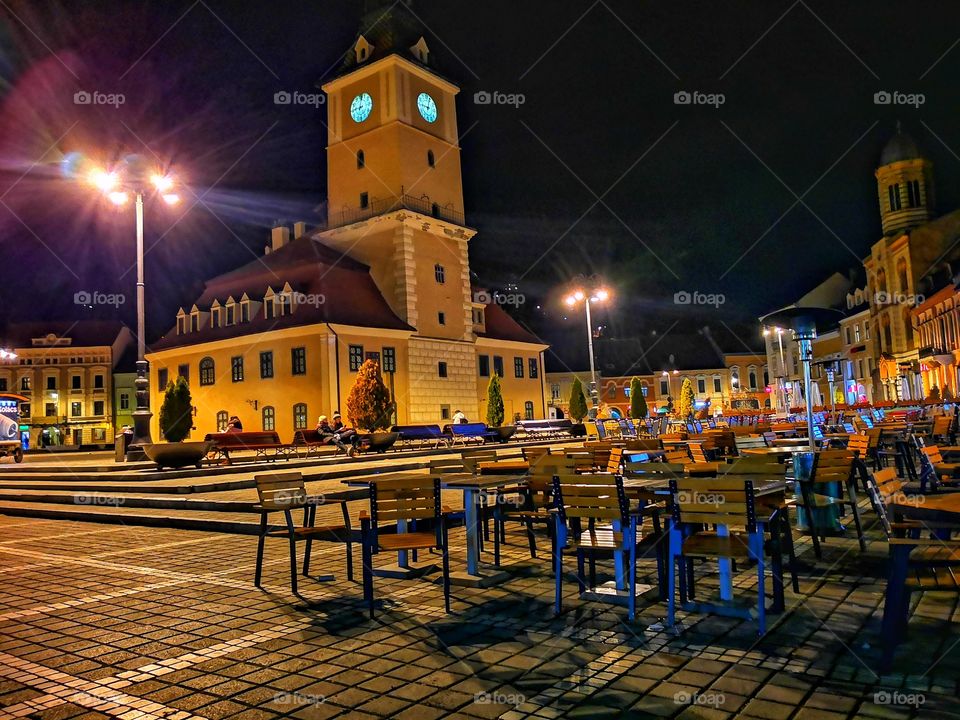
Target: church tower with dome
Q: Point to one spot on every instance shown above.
(904, 185)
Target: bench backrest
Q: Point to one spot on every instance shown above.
(281, 491)
(532, 454)
(418, 432)
(251, 438)
(859, 444)
(941, 425)
(468, 429)
(615, 460)
(697, 452)
(677, 455)
(540, 475)
(472, 459)
(442, 466)
(404, 499)
(754, 465)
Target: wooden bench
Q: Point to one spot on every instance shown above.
(312, 441)
(421, 435)
(546, 428)
(264, 443)
(468, 432)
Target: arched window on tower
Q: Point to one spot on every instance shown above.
(893, 196)
(907, 325)
(902, 274)
(882, 282)
(361, 160)
(887, 333)
(431, 160)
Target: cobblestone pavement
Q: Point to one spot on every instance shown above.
(104, 621)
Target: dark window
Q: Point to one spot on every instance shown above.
(518, 367)
(98, 408)
(75, 409)
(124, 401)
(356, 357)
(716, 384)
(913, 193)
(236, 368)
(375, 356)
(75, 382)
(194, 322)
(431, 160)
(162, 378)
(3, 384)
(361, 159)
(435, 210)
(269, 309)
(50, 409)
(266, 364)
(701, 385)
(534, 367)
(389, 359)
(300, 416)
(439, 274)
(528, 410)
(230, 311)
(442, 369)
(98, 382)
(498, 365)
(184, 372)
(25, 383)
(244, 312)
(52, 382)
(207, 371)
(364, 200)
(484, 365)
(298, 361)
(222, 419)
(442, 318)
(893, 195)
(269, 418)
(24, 410)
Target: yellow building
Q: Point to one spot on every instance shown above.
(278, 341)
(65, 369)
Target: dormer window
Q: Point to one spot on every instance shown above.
(216, 316)
(285, 303)
(420, 50)
(362, 49)
(244, 311)
(194, 322)
(231, 311)
(269, 308)
(181, 325)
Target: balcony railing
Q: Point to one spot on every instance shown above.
(378, 206)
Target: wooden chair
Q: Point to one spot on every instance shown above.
(642, 444)
(942, 429)
(593, 517)
(535, 501)
(615, 461)
(698, 454)
(749, 442)
(935, 471)
(400, 501)
(769, 438)
(830, 466)
(285, 492)
(532, 454)
(730, 503)
(472, 459)
(677, 455)
(916, 564)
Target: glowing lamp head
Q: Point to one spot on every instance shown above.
(766, 331)
(171, 198)
(102, 180)
(163, 183)
(578, 295)
(602, 295)
(570, 300)
(117, 197)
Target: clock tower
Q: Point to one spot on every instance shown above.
(395, 197)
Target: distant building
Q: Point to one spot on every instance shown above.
(66, 371)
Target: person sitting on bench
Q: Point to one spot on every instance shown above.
(346, 434)
(234, 424)
(330, 437)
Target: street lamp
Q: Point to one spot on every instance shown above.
(134, 177)
(598, 294)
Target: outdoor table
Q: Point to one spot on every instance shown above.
(472, 486)
(778, 452)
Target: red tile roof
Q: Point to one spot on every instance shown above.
(338, 288)
(500, 326)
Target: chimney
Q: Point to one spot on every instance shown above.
(299, 230)
(279, 236)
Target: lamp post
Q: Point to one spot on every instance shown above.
(588, 297)
(134, 177)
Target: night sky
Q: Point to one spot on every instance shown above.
(599, 171)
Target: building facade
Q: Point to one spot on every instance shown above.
(278, 341)
(66, 372)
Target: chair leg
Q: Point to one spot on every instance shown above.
(632, 584)
(557, 567)
(580, 578)
(293, 551)
(446, 571)
(497, 522)
(852, 493)
(531, 539)
(309, 519)
(691, 584)
(756, 541)
(811, 522)
(672, 559)
(367, 562)
(260, 542)
(788, 545)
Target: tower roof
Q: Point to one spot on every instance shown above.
(900, 147)
(390, 26)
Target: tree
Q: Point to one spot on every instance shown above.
(369, 406)
(934, 395)
(638, 403)
(176, 412)
(685, 406)
(578, 401)
(494, 402)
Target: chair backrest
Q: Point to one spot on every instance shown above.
(540, 475)
(592, 430)
(873, 435)
(442, 466)
(745, 442)
(642, 444)
(532, 454)
(769, 437)
(677, 455)
(941, 425)
(697, 452)
(832, 466)
(615, 460)
(753, 465)
(410, 498)
(723, 500)
(932, 453)
(883, 486)
(591, 496)
(859, 444)
(281, 491)
(473, 458)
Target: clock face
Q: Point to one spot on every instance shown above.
(427, 107)
(360, 107)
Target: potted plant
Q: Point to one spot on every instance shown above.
(578, 408)
(502, 432)
(176, 421)
(370, 408)
(638, 403)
